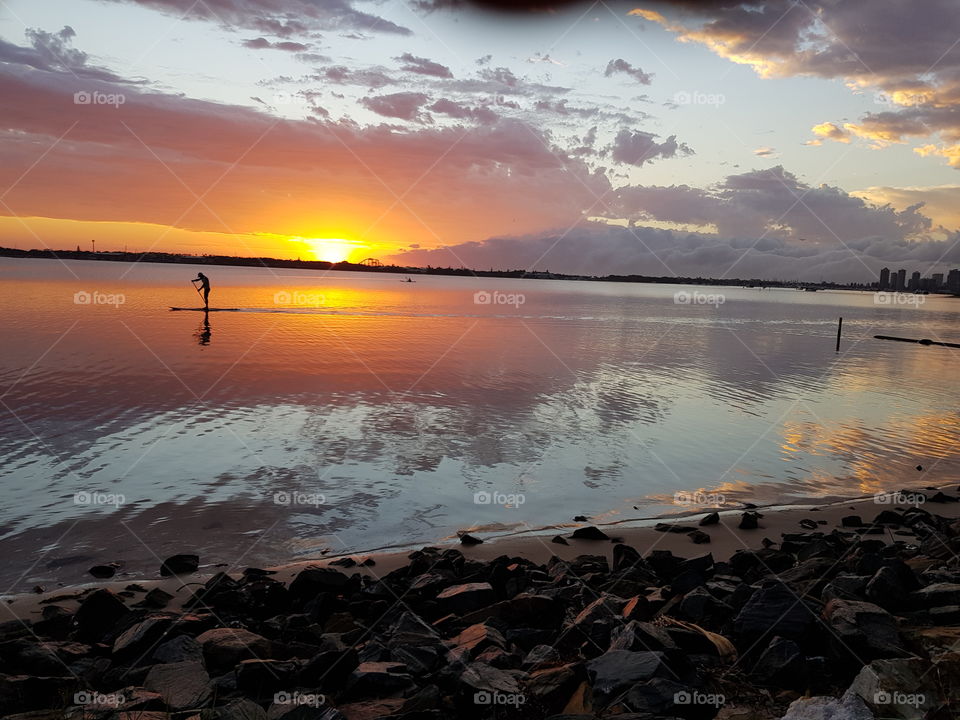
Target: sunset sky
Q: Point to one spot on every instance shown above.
(811, 140)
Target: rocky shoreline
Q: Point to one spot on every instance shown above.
(853, 618)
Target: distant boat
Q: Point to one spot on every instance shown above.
(408, 280)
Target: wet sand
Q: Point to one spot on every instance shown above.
(725, 539)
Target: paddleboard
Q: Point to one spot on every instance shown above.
(207, 310)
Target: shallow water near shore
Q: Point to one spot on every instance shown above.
(341, 412)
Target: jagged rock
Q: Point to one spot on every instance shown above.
(461, 599)
(851, 521)
(849, 707)
(774, 608)
(637, 635)
(19, 693)
(899, 688)
(542, 656)
(589, 533)
(309, 583)
(476, 638)
(551, 688)
(479, 677)
(468, 539)
(782, 664)
(183, 686)
(524, 610)
(263, 678)
(223, 648)
(240, 709)
(886, 589)
(863, 631)
(140, 637)
(808, 524)
(156, 598)
(183, 564)
(378, 680)
(711, 519)
(98, 614)
(559, 540)
(182, 648)
(616, 670)
(658, 697)
(674, 528)
(936, 595)
(749, 521)
(699, 537)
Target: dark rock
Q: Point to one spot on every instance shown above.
(674, 528)
(749, 521)
(138, 638)
(239, 709)
(848, 707)
(156, 598)
(852, 521)
(223, 648)
(468, 539)
(862, 632)
(636, 635)
(936, 595)
(183, 686)
(180, 565)
(614, 672)
(98, 614)
(379, 680)
(711, 519)
(263, 678)
(559, 540)
(782, 664)
(329, 669)
(311, 582)
(886, 589)
(589, 533)
(182, 648)
(551, 688)
(660, 698)
(699, 537)
(808, 524)
(103, 571)
(626, 557)
(774, 608)
(461, 599)
(542, 656)
(580, 518)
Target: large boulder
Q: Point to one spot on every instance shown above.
(776, 609)
(183, 686)
(223, 648)
(462, 599)
(98, 614)
(615, 671)
(848, 707)
(862, 632)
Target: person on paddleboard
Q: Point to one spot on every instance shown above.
(205, 287)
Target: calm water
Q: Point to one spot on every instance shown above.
(351, 411)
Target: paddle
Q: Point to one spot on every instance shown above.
(198, 291)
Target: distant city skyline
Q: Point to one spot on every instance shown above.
(897, 282)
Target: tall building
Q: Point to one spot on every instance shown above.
(884, 279)
(901, 282)
(936, 281)
(914, 281)
(953, 281)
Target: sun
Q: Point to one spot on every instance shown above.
(332, 250)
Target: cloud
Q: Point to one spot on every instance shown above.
(264, 44)
(342, 75)
(54, 52)
(423, 66)
(622, 66)
(635, 147)
(290, 18)
(765, 152)
(453, 109)
(902, 49)
(402, 105)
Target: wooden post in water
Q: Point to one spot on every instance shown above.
(839, 330)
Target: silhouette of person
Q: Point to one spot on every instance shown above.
(205, 287)
(203, 332)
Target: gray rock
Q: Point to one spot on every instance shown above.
(849, 707)
(183, 686)
(182, 648)
(223, 648)
(935, 595)
(378, 680)
(774, 608)
(863, 631)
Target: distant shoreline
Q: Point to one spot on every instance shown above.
(266, 262)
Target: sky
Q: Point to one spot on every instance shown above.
(809, 140)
